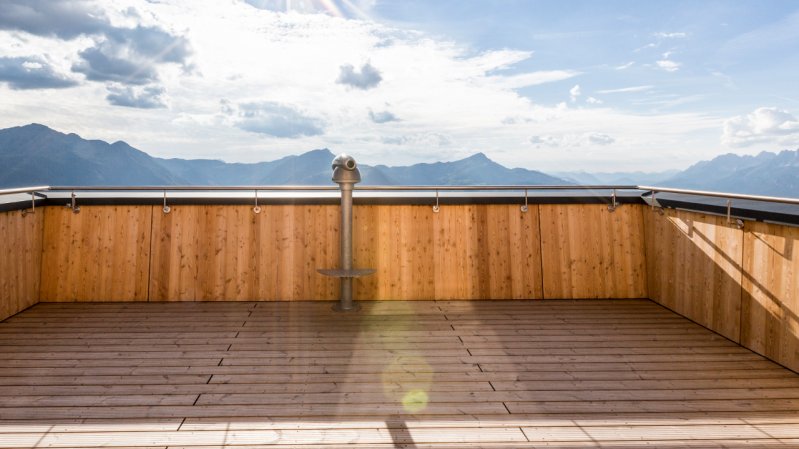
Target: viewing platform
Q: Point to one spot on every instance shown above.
(497, 316)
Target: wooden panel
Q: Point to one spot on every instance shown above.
(20, 261)
(207, 253)
(304, 239)
(462, 252)
(590, 252)
(694, 267)
(398, 242)
(770, 303)
(99, 254)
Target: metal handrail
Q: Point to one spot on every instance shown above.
(500, 187)
(185, 188)
(734, 196)
(24, 190)
(417, 188)
(333, 188)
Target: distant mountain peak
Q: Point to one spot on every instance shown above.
(478, 157)
(319, 152)
(35, 126)
(766, 173)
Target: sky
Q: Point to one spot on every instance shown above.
(548, 85)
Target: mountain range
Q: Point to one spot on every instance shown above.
(37, 155)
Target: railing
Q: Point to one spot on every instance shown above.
(648, 193)
(24, 190)
(410, 188)
(729, 196)
(436, 190)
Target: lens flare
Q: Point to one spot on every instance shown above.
(346, 9)
(415, 401)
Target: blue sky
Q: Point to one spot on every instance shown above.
(556, 86)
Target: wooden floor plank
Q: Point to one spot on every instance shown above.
(615, 373)
(243, 437)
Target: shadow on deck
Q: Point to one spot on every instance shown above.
(610, 373)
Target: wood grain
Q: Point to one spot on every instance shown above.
(212, 253)
(230, 253)
(590, 252)
(397, 373)
(99, 254)
(20, 260)
(398, 242)
(461, 252)
(770, 304)
(694, 267)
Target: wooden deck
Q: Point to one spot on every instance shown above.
(609, 373)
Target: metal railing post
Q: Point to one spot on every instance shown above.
(346, 245)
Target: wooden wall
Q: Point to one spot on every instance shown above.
(99, 254)
(213, 253)
(461, 252)
(590, 252)
(20, 260)
(694, 267)
(201, 253)
(743, 284)
(770, 303)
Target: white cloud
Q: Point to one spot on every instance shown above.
(32, 73)
(277, 73)
(600, 139)
(549, 141)
(148, 97)
(574, 93)
(418, 140)
(571, 140)
(647, 46)
(668, 65)
(625, 66)
(500, 59)
(382, 116)
(532, 78)
(365, 78)
(274, 119)
(677, 35)
(592, 100)
(763, 125)
(624, 90)
(353, 9)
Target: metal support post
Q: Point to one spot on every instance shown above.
(346, 175)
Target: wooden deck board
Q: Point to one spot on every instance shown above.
(620, 373)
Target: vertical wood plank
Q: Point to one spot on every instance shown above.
(451, 266)
(694, 268)
(175, 254)
(321, 243)
(20, 260)
(367, 237)
(212, 253)
(770, 303)
(486, 252)
(397, 242)
(590, 252)
(100, 254)
(525, 260)
(462, 252)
